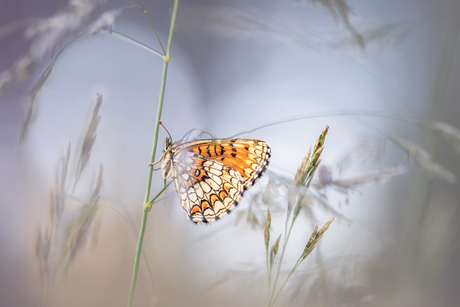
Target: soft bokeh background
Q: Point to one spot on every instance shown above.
(376, 72)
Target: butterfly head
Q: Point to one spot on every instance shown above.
(166, 165)
(168, 144)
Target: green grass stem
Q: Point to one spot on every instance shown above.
(146, 208)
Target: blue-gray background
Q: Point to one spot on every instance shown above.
(235, 66)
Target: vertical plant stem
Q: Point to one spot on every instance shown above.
(137, 257)
(147, 206)
(271, 301)
(285, 281)
(286, 239)
(286, 236)
(269, 272)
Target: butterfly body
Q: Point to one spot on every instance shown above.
(211, 176)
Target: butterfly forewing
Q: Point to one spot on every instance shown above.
(211, 175)
(247, 156)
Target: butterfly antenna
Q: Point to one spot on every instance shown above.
(165, 129)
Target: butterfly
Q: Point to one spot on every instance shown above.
(211, 175)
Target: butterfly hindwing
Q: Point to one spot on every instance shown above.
(207, 189)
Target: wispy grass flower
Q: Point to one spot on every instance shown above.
(72, 218)
(451, 133)
(302, 181)
(88, 140)
(46, 36)
(425, 160)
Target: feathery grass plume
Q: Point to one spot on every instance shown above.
(5, 78)
(44, 246)
(385, 35)
(425, 160)
(347, 185)
(341, 12)
(252, 218)
(88, 140)
(301, 175)
(314, 239)
(330, 179)
(296, 199)
(47, 34)
(268, 224)
(274, 251)
(268, 197)
(29, 100)
(79, 228)
(351, 183)
(71, 221)
(449, 132)
(310, 163)
(307, 169)
(249, 216)
(104, 21)
(293, 196)
(235, 23)
(316, 235)
(61, 195)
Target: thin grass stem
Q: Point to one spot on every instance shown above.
(131, 40)
(152, 158)
(156, 34)
(286, 280)
(137, 257)
(286, 240)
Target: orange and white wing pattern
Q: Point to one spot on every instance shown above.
(211, 175)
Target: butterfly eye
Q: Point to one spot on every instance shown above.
(168, 144)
